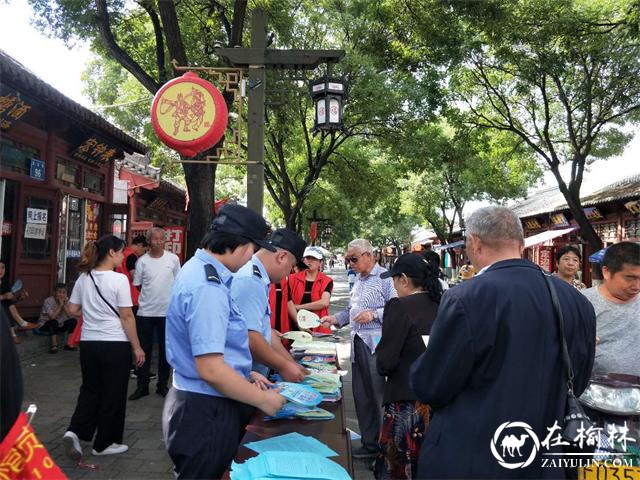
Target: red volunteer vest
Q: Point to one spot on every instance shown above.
(135, 293)
(297, 283)
(285, 326)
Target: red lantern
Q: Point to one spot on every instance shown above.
(189, 114)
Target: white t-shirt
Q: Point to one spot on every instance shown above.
(156, 276)
(99, 321)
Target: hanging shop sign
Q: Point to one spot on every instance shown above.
(174, 241)
(92, 220)
(532, 224)
(592, 213)
(633, 207)
(95, 152)
(12, 109)
(559, 220)
(7, 228)
(189, 114)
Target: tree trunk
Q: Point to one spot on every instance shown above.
(587, 232)
(200, 180)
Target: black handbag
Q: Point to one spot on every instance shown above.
(575, 417)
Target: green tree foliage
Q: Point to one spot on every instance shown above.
(448, 165)
(561, 76)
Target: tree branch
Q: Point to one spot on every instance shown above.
(104, 25)
(157, 30)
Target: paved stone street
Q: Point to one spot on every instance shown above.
(52, 382)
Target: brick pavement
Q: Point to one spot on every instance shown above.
(52, 382)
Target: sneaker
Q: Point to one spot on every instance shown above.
(152, 376)
(362, 452)
(27, 326)
(139, 393)
(72, 446)
(113, 449)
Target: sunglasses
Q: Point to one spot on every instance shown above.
(353, 259)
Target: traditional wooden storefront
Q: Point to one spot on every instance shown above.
(56, 180)
(548, 224)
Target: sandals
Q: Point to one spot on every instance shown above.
(53, 349)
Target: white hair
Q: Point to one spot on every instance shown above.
(152, 230)
(495, 225)
(361, 244)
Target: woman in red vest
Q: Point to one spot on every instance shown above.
(310, 289)
(131, 253)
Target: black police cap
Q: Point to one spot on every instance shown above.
(289, 240)
(244, 222)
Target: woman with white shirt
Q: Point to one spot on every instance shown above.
(103, 297)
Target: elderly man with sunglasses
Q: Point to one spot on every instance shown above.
(364, 313)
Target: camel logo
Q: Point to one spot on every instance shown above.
(515, 448)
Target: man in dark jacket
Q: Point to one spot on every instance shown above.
(494, 358)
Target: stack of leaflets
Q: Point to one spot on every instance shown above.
(291, 442)
(288, 465)
(292, 410)
(328, 384)
(300, 394)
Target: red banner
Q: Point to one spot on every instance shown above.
(22, 456)
(175, 241)
(313, 232)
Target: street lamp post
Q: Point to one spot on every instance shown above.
(257, 60)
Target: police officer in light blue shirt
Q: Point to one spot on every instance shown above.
(208, 347)
(250, 290)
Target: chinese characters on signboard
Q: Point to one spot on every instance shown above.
(559, 220)
(37, 215)
(37, 171)
(174, 241)
(94, 152)
(92, 221)
(12, 108)
(532, 224)
(36, 231)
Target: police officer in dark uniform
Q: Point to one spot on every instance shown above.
(208, 348)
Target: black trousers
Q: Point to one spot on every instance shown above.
(102, 402)
(146, 326)
(368, 389)
(52, 326)
(202, 432)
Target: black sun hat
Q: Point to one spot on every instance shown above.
(411, 264)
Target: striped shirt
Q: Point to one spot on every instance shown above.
(370, 292)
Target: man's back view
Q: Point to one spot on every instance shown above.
(494, 358)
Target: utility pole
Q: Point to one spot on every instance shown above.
(257, 60)
(257, 85)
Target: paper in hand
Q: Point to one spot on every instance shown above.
(307, 319)
(296, 336)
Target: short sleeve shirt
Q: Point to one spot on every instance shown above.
(250, 291)
(202, 319)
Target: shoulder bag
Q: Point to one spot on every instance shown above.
(575, 417)
(113, 309)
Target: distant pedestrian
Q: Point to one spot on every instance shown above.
(137, 248)
(351, 277)
(568, 260)
(55, 319)
(108, 339)
(155, 272)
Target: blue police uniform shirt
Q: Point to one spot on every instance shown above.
(202, 318)
(251, 293)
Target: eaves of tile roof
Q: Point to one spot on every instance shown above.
(15, 74)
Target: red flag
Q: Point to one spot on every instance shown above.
(313, 232)
(23, 457)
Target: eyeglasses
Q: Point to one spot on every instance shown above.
(353, 259)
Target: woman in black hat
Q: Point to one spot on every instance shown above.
(406, 319)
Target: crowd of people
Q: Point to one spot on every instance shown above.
(435, 369)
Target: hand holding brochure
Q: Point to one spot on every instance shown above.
(300, 394)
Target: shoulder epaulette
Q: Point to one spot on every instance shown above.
(256, 271)
(211, 273)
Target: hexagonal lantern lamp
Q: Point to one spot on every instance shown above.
(328, 95)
